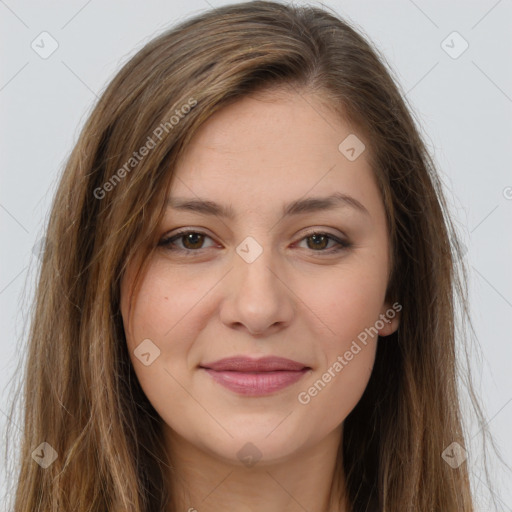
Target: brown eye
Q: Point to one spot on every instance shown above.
(319, 242)
(192, 240)
(186, 241)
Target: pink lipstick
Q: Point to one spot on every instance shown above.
(255, 377)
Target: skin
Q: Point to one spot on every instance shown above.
(295, 300)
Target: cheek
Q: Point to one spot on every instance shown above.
(333, 389)
(333, 392)
(164, 304)
(169, 310)
(348, 303)
(159, 314)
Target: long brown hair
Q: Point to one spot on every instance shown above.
(81, 395)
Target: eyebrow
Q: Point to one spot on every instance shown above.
(298, 207)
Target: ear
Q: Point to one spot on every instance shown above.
(389, 318)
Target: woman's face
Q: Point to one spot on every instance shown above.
(251, 282)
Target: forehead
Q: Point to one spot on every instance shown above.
(273, 148)
(272, 126)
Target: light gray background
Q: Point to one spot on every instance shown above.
(464, 106)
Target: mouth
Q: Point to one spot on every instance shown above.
(255, 377)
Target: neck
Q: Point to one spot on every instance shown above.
(310, 479)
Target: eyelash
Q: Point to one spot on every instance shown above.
(168, 242)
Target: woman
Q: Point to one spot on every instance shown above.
(246, 296)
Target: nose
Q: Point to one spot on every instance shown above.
(256, 298)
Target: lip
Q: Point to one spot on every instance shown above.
(255, 377)
(249, 364)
